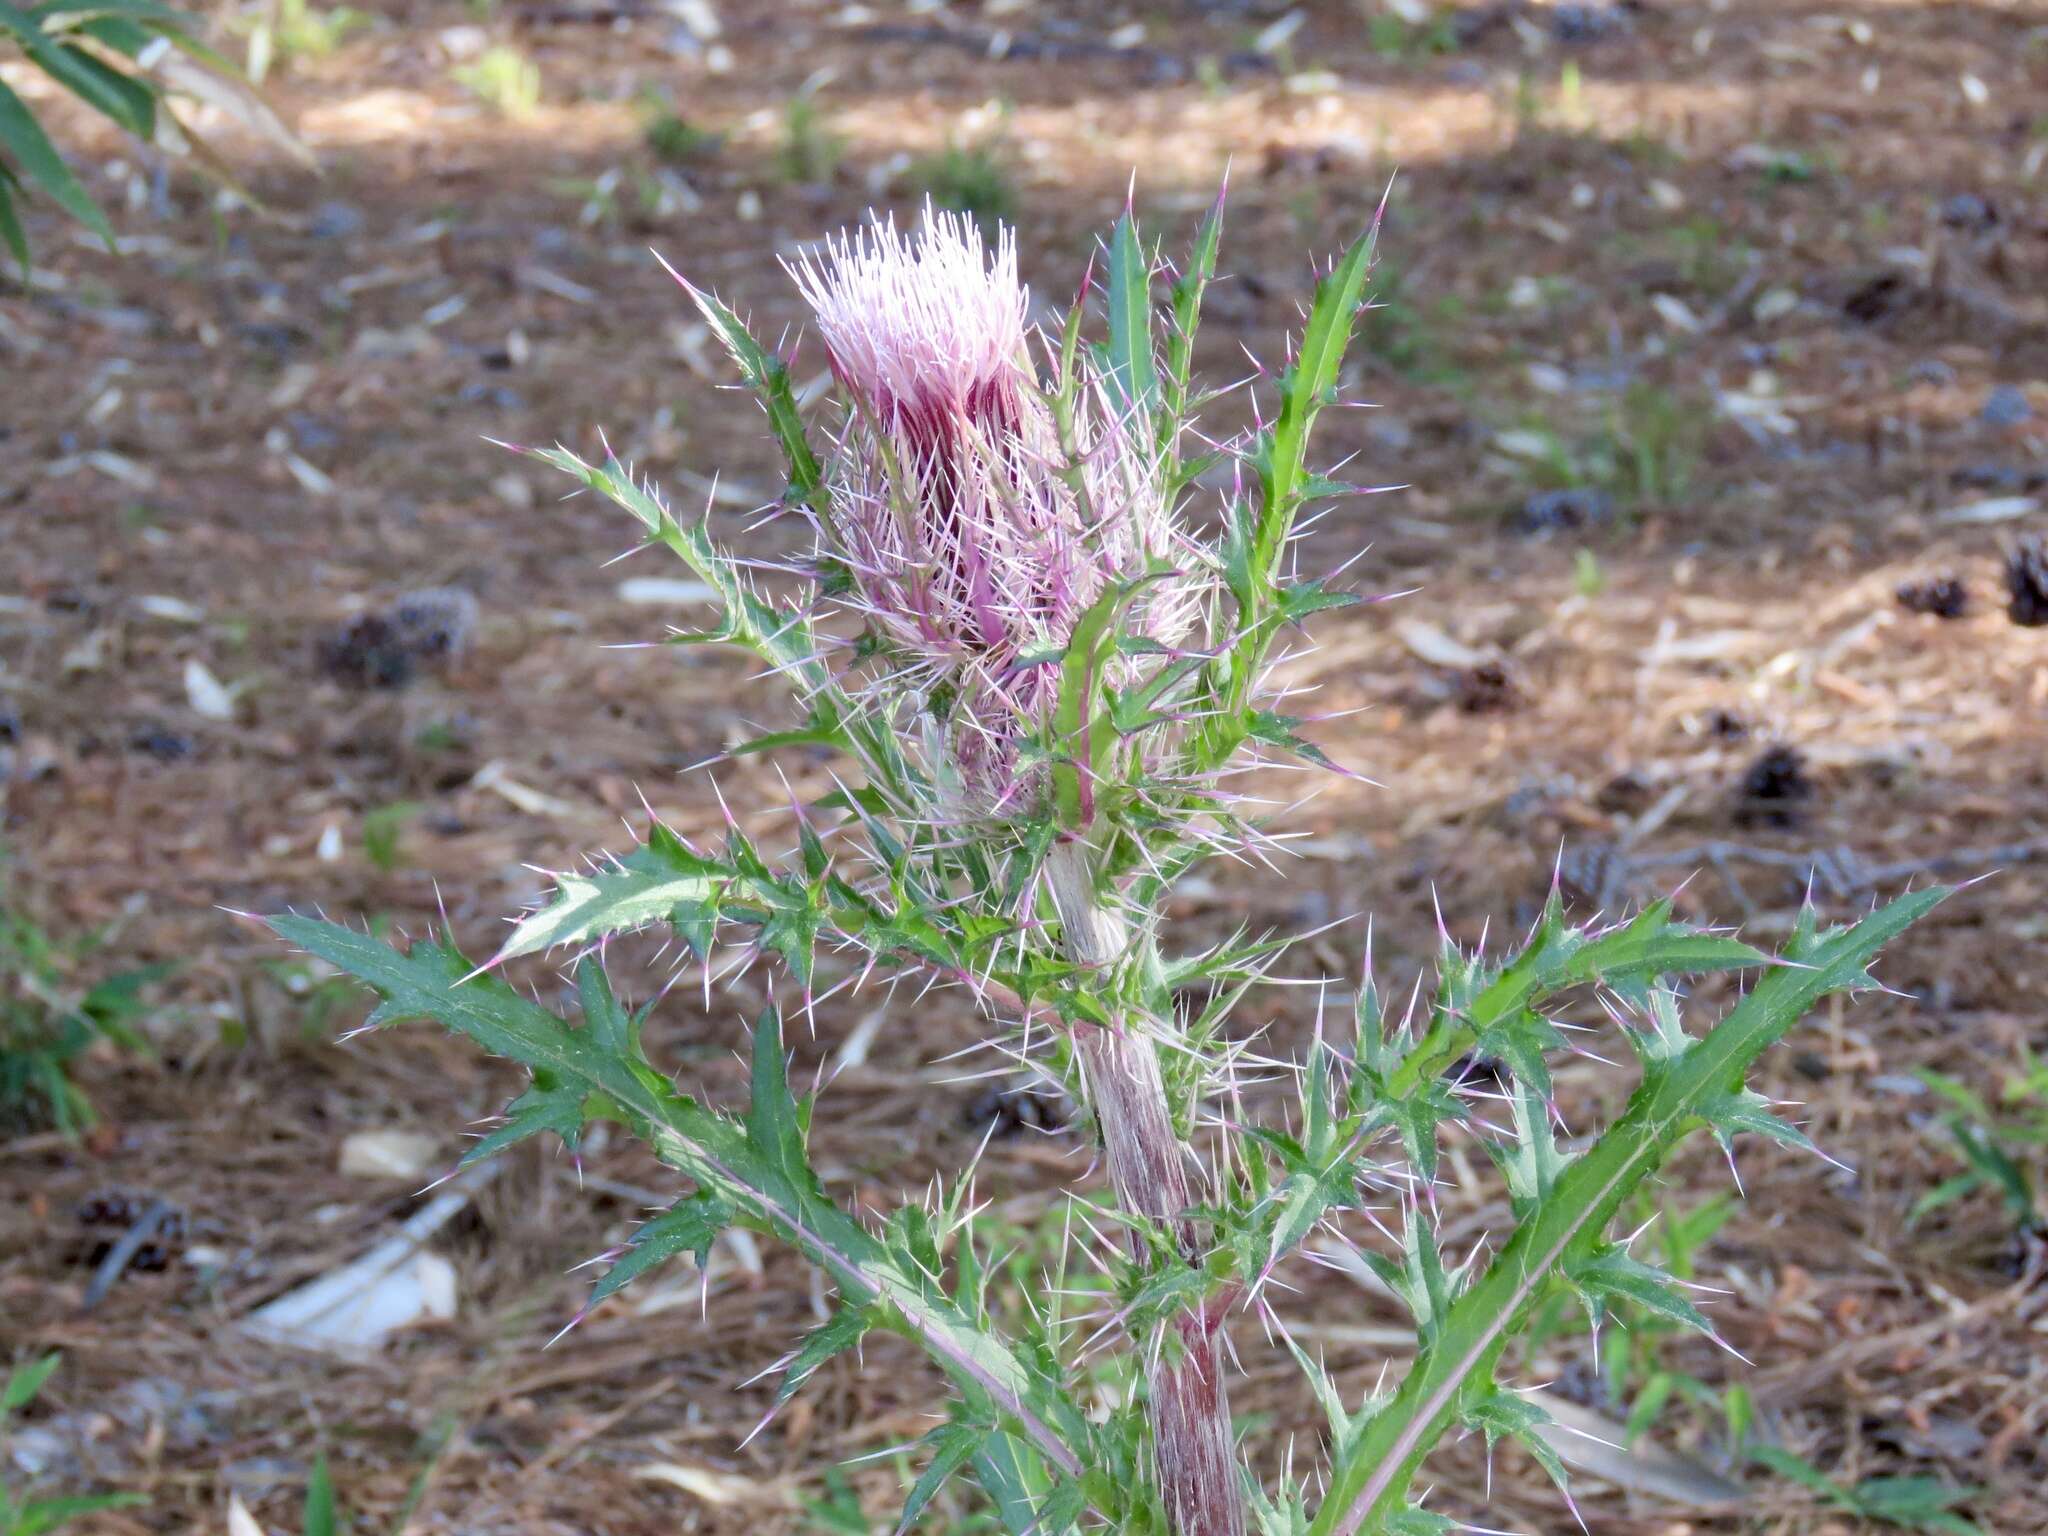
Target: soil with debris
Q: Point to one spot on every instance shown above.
(1705, 329)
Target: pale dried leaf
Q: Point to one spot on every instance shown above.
(711, 1485)
(1993, 509)
(387, 1154)
(240, 1521)
(664, 591)
(207, 694)
(1593, 1444)
(525, 797)
(1437, 648)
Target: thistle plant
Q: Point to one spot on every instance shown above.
(1043, 686)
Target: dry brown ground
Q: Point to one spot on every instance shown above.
(280, 424)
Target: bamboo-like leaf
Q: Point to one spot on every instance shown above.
(36, 158)
(11, 231)
(129, 101)
(65, 64)
(148, 13)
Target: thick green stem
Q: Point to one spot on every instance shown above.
(1193, 1446)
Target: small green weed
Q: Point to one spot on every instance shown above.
(1911, 1503)
(46, 1024)
(2001, 1147)
(973, 179)
(1588, 579)
(810, 151)
(673, 139)
(503, 79)
(1409, 336)
(24, 1516)
(1396, 37)
(1706, 257)
(1780, 167)
(1644, 448)
(384, 831)
(287, 30)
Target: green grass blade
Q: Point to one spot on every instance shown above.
(25, 1381)
(72, 12)
(319, 1519)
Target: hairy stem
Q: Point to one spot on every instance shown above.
(1192, 1442)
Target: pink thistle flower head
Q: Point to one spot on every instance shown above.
(974, 537)
(923, 330)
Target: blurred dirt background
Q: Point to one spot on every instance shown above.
(1705, 328)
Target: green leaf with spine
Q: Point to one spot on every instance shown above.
(1496, 1413)
(768, 377)
(1625, 958)
(1681, 1091)
(1084, 722)
(1176, 377)
(689, 1226)
(1131, 366)
(749, 1168)
(1396, 1083)
(780, 634)
(1256, 534)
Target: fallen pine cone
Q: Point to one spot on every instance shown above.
(2026, 578)
(1943, 596)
